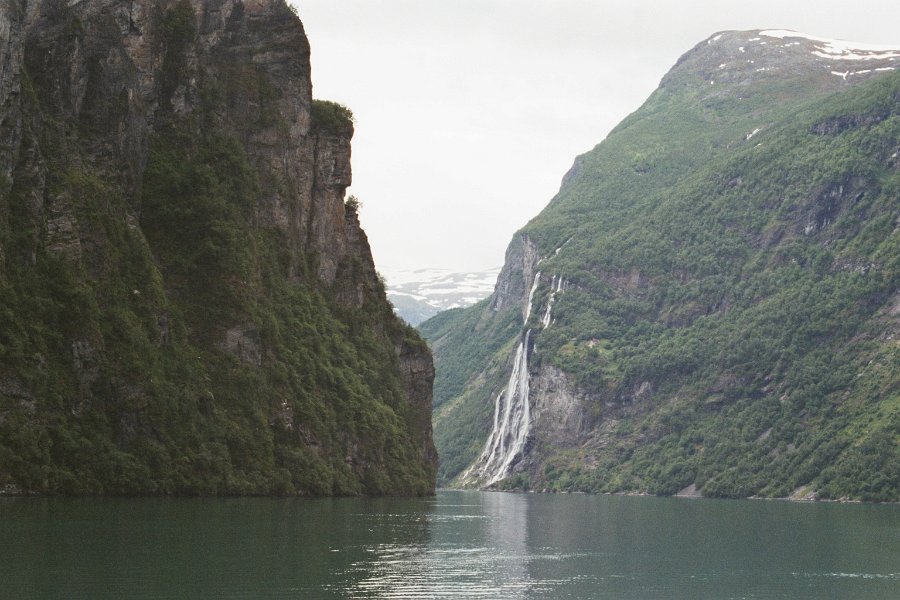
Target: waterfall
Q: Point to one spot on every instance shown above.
(512, 412)
(512, 409)
(556, 285)
(537, 279)
(511, 420)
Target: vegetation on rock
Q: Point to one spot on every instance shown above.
(164, 335)
(730, 317)
(331, 117)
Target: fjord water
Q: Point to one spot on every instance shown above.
(457, 545)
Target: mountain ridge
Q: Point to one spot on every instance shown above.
(694, 267)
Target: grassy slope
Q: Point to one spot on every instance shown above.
(765, 346)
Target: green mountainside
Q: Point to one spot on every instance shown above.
(717, 310)
(187, 305)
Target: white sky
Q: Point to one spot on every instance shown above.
(469, 112)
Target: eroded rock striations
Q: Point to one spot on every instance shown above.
(188, 305)
(710, 301)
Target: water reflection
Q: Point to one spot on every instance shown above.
(458, 545)
(478, 549)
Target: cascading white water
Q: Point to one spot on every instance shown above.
(512, 418)
(556, 285)
(512, 409)
(537, 279)
(512, 413)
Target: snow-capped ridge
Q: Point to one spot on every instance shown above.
(838, 49)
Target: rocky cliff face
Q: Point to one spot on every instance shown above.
(519, 268)
(706, 297)
(124, 71)
(171, 190)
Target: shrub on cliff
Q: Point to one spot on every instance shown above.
(331, 117)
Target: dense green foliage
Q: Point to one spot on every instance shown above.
(747, 286)
(331, 117)
(115, 371)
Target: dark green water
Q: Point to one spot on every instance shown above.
(458, 545)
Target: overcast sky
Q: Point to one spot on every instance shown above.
(469, 112)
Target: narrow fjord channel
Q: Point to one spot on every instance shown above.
(456, 545)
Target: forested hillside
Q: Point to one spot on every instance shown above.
(187, 304)
(713, 302)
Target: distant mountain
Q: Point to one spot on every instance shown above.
(710, 304)
(419, 295)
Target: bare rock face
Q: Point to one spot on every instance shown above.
(244, 343)
(417, 375)
(117, 69)
(11, 52)
(519, 268)
(560, 414)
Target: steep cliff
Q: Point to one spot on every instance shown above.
(712, 294)
(187, 304)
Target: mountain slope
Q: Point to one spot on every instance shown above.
(187, 306)
(710, 300)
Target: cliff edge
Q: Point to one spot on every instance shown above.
(187, 303)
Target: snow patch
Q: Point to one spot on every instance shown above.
(838, 49)
(846, 55)
(413, 296)
(440, 288)
(846, 74)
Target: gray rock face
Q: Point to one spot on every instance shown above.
(11, 53)
(560, 416)
(106, 64)
(244, 343)
(518, 271)
(417, 375)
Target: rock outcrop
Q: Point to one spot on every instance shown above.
(519, 268)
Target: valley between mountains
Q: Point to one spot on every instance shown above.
(189, 304)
